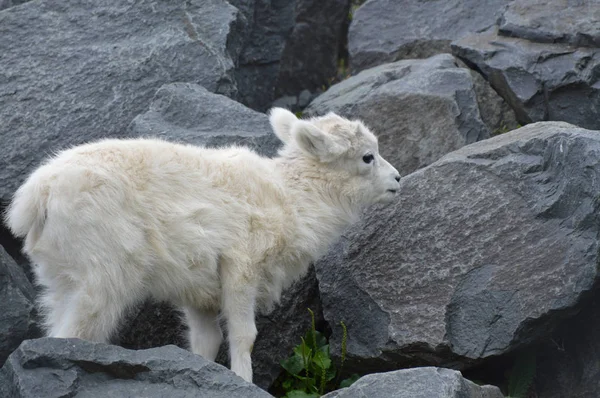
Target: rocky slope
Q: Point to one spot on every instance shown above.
(490, 250)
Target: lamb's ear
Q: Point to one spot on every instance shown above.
(282, 121)
(315, 142)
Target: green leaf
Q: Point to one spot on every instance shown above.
(287, 384)
(301, 394)
(331, 374)
(322, 360)
(293, 364)
(325, 349)
(303, 351)
(521, 375)
(319, 339)
(308, 383)
(349, 381)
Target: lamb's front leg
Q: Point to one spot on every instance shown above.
(238, 304)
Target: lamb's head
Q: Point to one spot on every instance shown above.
(343, 149)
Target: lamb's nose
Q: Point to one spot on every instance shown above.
(397, 178)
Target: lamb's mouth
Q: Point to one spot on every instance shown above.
(394, 191)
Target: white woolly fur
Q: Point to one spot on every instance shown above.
(214, 231)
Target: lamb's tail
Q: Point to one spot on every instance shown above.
(26, 214)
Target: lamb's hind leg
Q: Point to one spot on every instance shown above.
(205, 332)
(91, 315)
(238, 305)
(96, 306)
(55, 297)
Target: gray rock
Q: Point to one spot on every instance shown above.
(13, 246)
(17, 309)
(152, 325)
(288, 102)
(304, 98)
(70, 367)
(416, 383)
(295, 103)
(189, 113)
(556, 21)
(539, 81)
(495, 113)
(420, 109)
(483, 252)
(310, 57)
(259, 60)
(77, 71)
(567, 364)
(387, 30)
(292, 45)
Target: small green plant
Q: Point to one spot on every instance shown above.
(354, 5)
(503, 129)
(521, 375)
(310, 372)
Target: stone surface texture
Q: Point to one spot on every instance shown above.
(291, 45)
(53, 368)
(189, 113)
(495, 113)
(540, 81)
(388, 30)
(10, 3)
(17, 309)
(424, 382)
(567, 363)
(553, 21)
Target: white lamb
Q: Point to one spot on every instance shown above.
(111, 223)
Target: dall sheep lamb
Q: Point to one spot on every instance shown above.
(214, 231)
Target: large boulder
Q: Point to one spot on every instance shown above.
(75, 71)
(425, 382)
(189, 113)
(388, 30)
(483, 252)
(70, 367)
(556, 21)
(540, 81)
(420, 109)
(292, 45)
(17, 309)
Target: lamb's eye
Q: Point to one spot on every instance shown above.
(368, 158)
